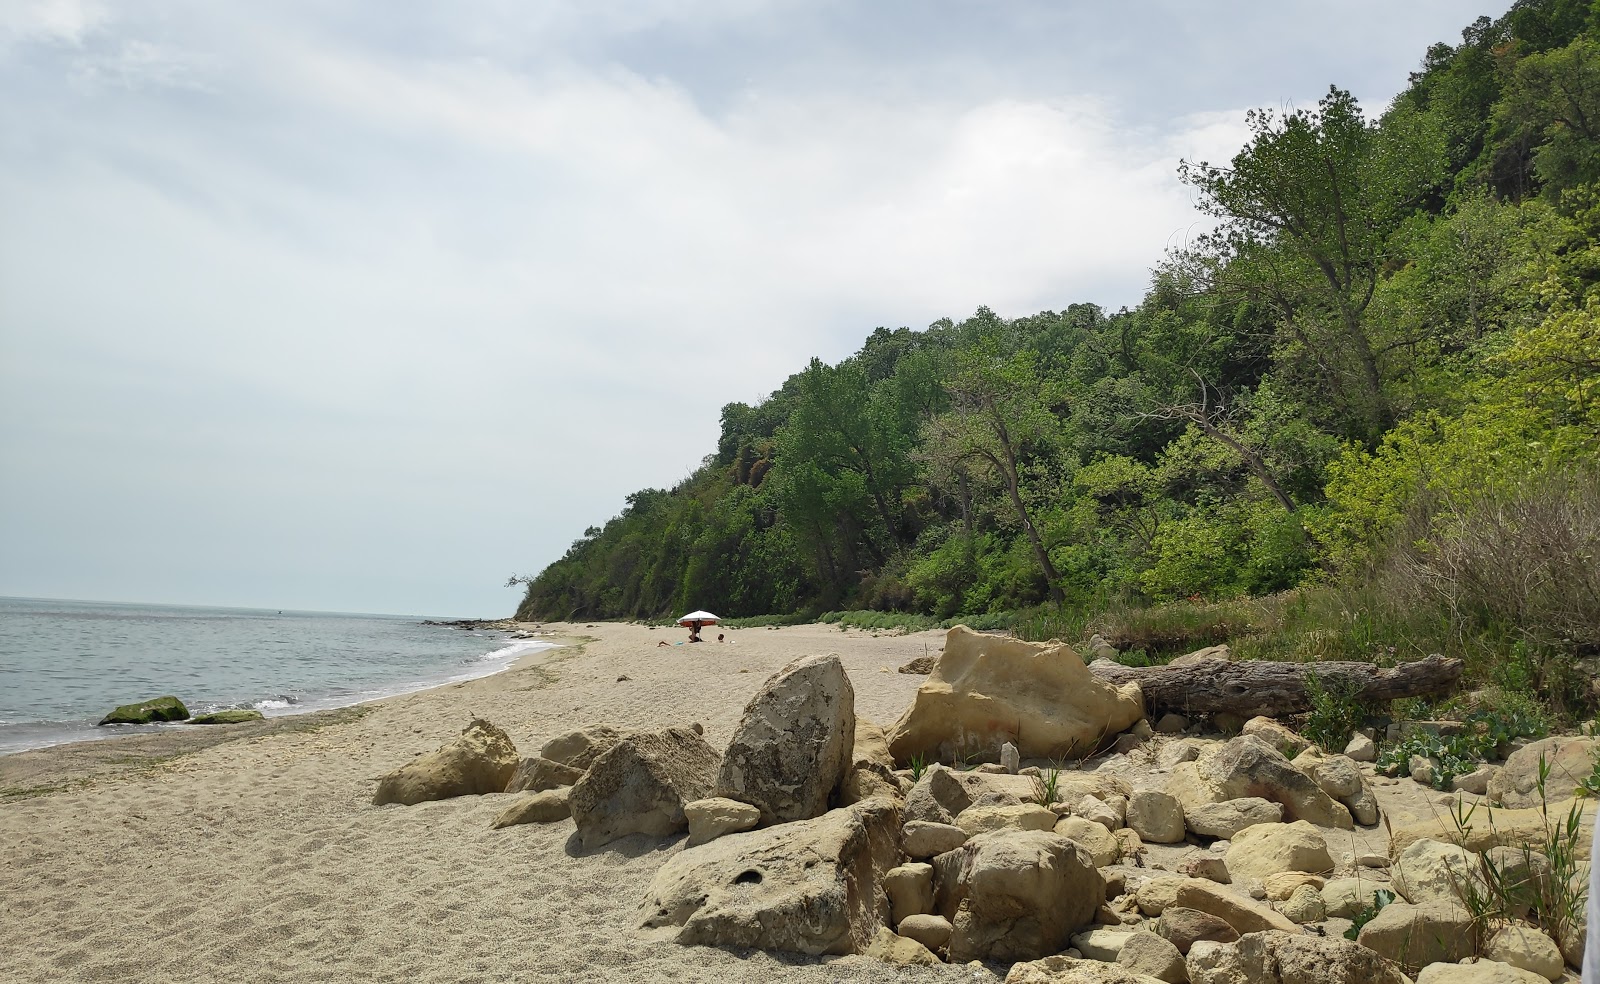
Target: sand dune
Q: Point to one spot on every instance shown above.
(260, 859)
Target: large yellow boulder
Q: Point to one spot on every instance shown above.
(987, 690)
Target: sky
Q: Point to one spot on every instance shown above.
(365, 306)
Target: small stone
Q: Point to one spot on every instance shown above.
(1010, 760)
(1422, 769)
(1361, 749)
(715, 816)
(1172, 724)
(1100, 943)
(932, 932)
(910, 890)
(1304, 906)
(1146, 953)
(1156, 817)
(1476, 782)
(1202, 864)
(1184, 927)
(922, 839)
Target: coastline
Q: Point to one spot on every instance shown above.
(257, 855)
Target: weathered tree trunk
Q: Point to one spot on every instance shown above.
(1211, 686)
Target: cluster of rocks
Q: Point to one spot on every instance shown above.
(169, 708)
(805, 836)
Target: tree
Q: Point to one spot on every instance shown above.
(1306, 209)
(1000, 415)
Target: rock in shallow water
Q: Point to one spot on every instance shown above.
(168, 708)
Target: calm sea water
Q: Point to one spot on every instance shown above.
(64, 664)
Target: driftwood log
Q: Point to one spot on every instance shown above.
(1213, 686)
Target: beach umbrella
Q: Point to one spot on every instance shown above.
(704, 618)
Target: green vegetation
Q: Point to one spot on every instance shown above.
(1459, 754)
(1356, 420)
(1369, 912)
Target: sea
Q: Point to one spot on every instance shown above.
(65, 664)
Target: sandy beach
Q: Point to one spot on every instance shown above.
(255, 855)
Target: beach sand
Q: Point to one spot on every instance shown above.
(204, 856)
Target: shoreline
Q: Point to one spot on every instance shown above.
(258, 855)
(531, 637)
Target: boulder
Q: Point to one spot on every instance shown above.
(910, 890)
(1284, 740)
(1479, 972)
(578, 749)
(1304, 906)
(1172, 724)
(871, 769)
(1475, 782)
(981, 819)
(901, 951)
(641, 786)
(1244, 915)
(1062, 969)
(480, 761)
(232, 715)
(1250, 766)
(932, 931)
(1280, 958)
(1015, 895)
(925, 840)
(1433, 871)
(1361, 749)
(538, 773)
(1418, 935)
(1100, 812)
(987, 690)
(1284, 884)
(1156, 817)
(1225, 820)
(1489, 828)
(1156, 894)
(545, 806)
(1146, 953)
(1268, 848)
(1526, 948)
(1570, 760)
(1344, 897)
(1204, 864)
(1184, 927)
(942, 793)
(1180, 751)
(716, 816)
(168, 708)
(921, 666)
(794, 743)
(1101, 844)
(810, 886)
(1520, 871)
(1100, 942)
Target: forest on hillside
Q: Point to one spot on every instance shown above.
(1376, 383)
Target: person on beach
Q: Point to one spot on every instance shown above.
(694, 631)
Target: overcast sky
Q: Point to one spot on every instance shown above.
(363, 306)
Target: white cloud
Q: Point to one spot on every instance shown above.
(56, 21)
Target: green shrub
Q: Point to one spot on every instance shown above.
(1335, 714)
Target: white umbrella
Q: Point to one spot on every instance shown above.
(704, 618)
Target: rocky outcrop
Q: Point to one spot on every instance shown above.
(987, 690)
(641, 786)
(480, 761)
(168, 708)
(537, 773)
(578, 749)
(1061, 969)
(1570, 761)
(232, 715)
(1015, 895)
(1269, 848)
(943, 794)
(1247, 766)
(712, 818)
(794, 743)
(1489, 828)
(1224, 820)
(1280, 958)
(1418, 935)
(811, 886)
(544, 806)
